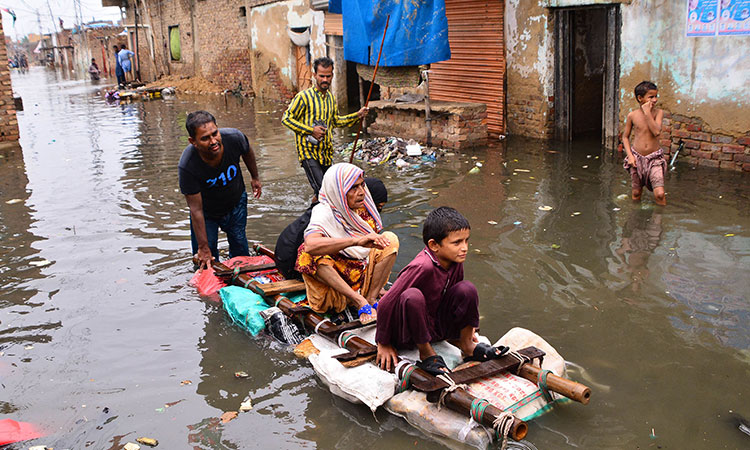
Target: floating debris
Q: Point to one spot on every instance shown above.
(729, 235)
(545, 208)
(474, 170)
(584, 167)
(622, 197)
(576, 213)
(228, 416)
(12, 201)
(131, 446)
(521, 170)
(241, 374)
(185, 382)
(29, 347)
(492, 222)
(247, 405)
(395, 151)
(555, 246)
(147, 441)
(40, 263)
(517, 222)
(615, 209)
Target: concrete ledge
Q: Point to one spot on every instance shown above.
(455, 125)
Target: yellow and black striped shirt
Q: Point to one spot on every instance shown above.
(306, 107)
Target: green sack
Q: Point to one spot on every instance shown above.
(244, 307)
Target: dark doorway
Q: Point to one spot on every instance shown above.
(587, 73)
(588, 31)
(352, 86)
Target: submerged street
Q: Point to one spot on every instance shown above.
(102, 340)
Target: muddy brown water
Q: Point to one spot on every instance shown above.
(651, 304)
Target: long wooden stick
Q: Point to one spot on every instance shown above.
(372, 83)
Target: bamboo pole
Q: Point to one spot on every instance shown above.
(372, 83)
(568, 388)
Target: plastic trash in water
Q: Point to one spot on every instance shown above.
(492, 222)
(400, 163)
(247, 405)
(545, 208)
(474, 170)
(517, 222)
(413, 150)
(147, 441)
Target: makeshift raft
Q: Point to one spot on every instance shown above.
(475, 404)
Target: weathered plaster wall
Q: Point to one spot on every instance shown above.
(274, 66)
(8, 120)
(530, 68)
(701, 77)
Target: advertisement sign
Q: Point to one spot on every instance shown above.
(702, 17)
(734, 18)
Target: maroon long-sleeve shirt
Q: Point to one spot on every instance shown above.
(425, 273)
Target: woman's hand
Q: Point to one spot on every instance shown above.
(373, 240)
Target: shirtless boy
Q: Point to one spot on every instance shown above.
(645, 160)
(430, 301)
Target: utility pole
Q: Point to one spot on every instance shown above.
(54, 36)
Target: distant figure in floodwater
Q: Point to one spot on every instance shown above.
(211, 180)
(645, 160)
(311, 115)
(430, 301)
(123, 57)
(94, 70)
(118, 68)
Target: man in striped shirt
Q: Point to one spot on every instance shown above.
(311, 115)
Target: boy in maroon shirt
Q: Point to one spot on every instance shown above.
(430, 301)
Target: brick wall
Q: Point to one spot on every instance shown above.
(8, 121)
(704, 147)
(529, 113)
(224, 53)
(454, 125)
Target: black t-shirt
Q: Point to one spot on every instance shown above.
(220, 187)
(289, 241)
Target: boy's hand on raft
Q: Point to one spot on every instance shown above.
(363, 112)
(387, 357)
(373, 240)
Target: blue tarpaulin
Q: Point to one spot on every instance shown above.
(417, 32)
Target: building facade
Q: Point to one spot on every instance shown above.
(572, 66)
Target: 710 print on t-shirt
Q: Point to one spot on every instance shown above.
(224, 177)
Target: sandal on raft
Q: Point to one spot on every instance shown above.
(434, 365)
(485, 352)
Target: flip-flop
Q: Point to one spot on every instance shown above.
(367, 309)
(434, 365)
(485, 352)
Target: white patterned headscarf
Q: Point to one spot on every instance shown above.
(333, 218)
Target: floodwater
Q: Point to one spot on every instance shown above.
(99, 330)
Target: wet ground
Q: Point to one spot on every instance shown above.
(99, 331)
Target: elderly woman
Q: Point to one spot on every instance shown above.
(344, 259)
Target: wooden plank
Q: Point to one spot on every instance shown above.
(281, 287)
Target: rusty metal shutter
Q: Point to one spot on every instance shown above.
(476, 70)
(334, 24)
